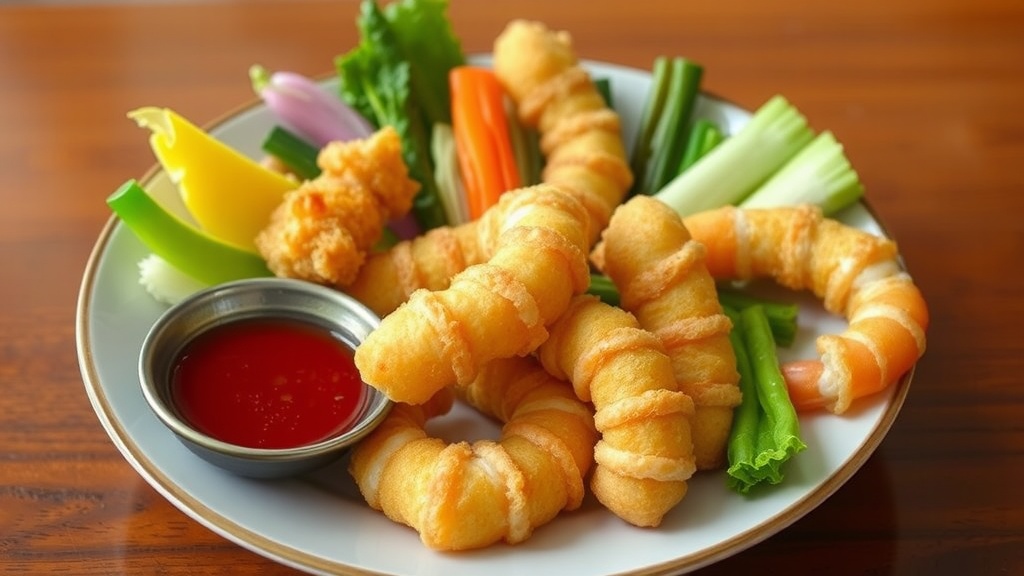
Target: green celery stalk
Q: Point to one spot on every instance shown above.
(704, 136)
(741, 449)
(603, 287)
(782, 317)
(446, 173)
(819, 174)
(656, 96)
(182, 245)
(297, 154)
(669, 141)
(525, 145)
(604, 86)
(776, 432)
(736, 167)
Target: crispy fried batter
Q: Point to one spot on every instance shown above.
(855, 273)
(464, 495)
(663, 280)
(322, 230)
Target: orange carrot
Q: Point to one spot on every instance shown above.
(482, 137)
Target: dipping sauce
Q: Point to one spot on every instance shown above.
(267, 383)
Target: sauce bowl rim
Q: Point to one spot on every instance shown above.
(375, 407)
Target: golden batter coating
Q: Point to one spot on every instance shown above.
(584, 157)
(323, 229)
(461, 496)
(645, 455)
(663, 280)
(497, 309)
(580, 134)
(856, 274)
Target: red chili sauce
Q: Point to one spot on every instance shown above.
(267, 383)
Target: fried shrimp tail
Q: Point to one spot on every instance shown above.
(663, 280)
(461, 496)
(322, 230)
(645, 455)
(497, 309)
(855, 273)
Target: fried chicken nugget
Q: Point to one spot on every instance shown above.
(322, 230)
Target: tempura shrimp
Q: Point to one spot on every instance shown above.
(856, 273)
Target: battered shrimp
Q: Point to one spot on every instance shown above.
(465, 495)
(322, 230)
(857, 274)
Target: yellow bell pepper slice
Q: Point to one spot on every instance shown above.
(230, 195)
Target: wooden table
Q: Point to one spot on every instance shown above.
(925, 94)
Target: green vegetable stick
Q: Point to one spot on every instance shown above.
(778, 427)
(656, 96)
(603, 287)
(742, 444)
(704, 136)
(294, 152)
(604, 86)
(525, 146)
(669, 141)
(782, 317)
(819, 174)
(737, 166)
(185, 247)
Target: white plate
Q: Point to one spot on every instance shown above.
(320, 524)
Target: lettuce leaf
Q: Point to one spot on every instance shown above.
(392, 80)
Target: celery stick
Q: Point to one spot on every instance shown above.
(742, 446)
(737, 166)
(777, 436)
(603, 287)
(183, 246)
(446, 174)
(782, 317)
(819, 174)
(656, 96)
(604, 86)
(525, 145)
(669, 141)
(297, 154)
(704, 136)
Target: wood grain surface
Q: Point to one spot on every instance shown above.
(926, 95)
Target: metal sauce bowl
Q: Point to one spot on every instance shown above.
(271, 298)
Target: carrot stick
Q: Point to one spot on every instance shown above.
(492, 104)
(481, 137)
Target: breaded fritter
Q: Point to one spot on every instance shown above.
(323, 229)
